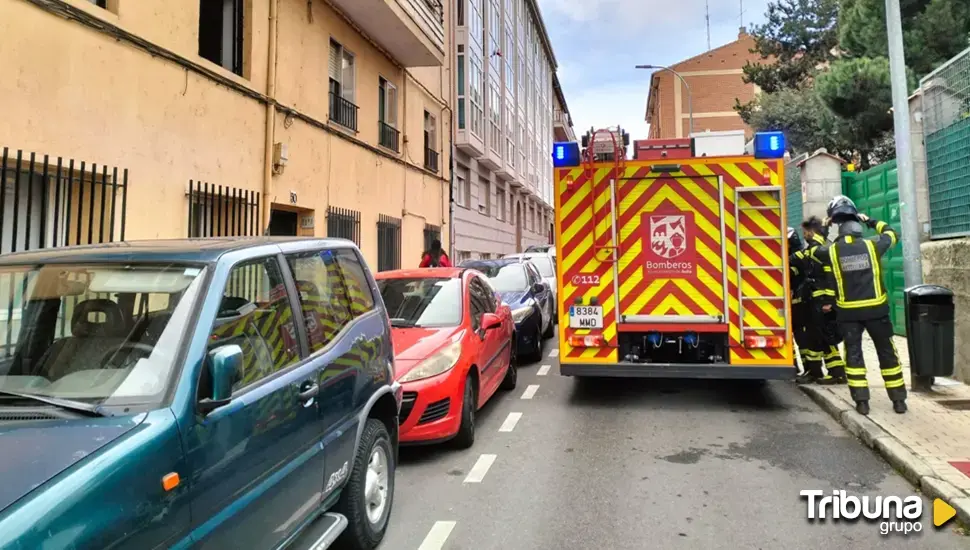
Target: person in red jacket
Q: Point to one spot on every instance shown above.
(435, 256)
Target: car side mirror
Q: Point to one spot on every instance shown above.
(225, 366)
(490, 321)
(538, 288)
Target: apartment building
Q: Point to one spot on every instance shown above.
(562, 121)
(714, 81)
(147, 119)
(504, 104)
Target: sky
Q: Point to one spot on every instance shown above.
(598, 42)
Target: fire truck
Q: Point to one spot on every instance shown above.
(672, 264)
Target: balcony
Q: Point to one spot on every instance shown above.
(388, 136)
(431, 159)
(562, 126)
(412, 31)
(343, 112)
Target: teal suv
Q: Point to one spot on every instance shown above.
(217, 393)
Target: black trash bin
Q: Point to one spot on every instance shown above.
(930, 330)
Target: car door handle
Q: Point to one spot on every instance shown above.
(308, 392)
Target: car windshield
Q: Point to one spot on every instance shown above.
(104, 334)
(422, 302)
(506, 278)
(544, 265)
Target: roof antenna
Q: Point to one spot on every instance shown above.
(707, 16)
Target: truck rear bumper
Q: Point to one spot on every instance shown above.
(679, 370)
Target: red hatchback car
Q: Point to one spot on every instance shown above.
(453, 349)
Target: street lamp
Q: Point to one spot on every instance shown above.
(690, 106)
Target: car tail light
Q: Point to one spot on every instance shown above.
(587, 341)
(754, 341)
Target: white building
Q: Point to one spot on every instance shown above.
(503, 163)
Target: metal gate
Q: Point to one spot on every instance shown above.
(876, 193)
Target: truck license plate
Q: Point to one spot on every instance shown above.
(586, 317)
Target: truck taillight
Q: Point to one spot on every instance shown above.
(753, 341)
(587, 341)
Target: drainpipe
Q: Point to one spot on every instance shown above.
(270, 116)
(452, 99)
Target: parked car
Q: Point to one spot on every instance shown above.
(218, 393)
(520, 286)
(453, 350)
(546, 265)
(547, 249)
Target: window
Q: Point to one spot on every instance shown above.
(220, 32)
(100, 3)
(461, 191)
(494, 119)
(509, 130)
(461, 92)
(430, 142)
(343, 81)
(387, 115)
(343, 224)
(501, 202)
(323, 296)
(388, 243)
(355, 279)
(422, 302)
(255, 314)
(478, 297)
(461, 12)
(477, 107)
(484, 196)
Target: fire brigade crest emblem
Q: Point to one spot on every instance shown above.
(668, 236)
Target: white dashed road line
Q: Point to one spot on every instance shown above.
(554, 353)
(478, 471)
(510, 421)
(543, 370)
(437, 536)
(530, 391)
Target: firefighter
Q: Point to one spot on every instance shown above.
(801, 319)
(806, 314)
(861, 301)
(823, 303)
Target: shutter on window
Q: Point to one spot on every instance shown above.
(347, 81)
(334, 62)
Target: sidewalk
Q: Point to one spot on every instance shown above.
(929, 445)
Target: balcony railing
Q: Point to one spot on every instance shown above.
(388, 136)
(431, 159)
(343, 112)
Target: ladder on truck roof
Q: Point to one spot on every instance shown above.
(775, 192)
(589, 171)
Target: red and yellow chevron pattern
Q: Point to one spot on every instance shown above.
(584, 212)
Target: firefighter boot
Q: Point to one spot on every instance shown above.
(899, 406)
(862, 407)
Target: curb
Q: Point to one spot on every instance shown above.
(894, 451)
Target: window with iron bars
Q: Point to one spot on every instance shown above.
(343, 224)
(47, 202)
(388, 243)
(217, 211)
(431, 233)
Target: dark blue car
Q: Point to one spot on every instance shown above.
(212, 393)
(520, 285)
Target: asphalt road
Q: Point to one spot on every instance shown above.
(643, 464)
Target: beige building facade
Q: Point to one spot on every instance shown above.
(161, 119)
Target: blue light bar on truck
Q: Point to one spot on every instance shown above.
(565, 154)
(769, 145)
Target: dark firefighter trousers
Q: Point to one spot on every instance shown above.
(815, 339)
(881, 332)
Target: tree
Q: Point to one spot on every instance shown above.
(806, 121)
(933, 30)
(797, 36)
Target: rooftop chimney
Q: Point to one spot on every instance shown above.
(742, 32)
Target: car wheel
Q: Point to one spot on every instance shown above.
(465, 437)
(512, 374)
(536, 354)
(367, 498)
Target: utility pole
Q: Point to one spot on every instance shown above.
(909, 232)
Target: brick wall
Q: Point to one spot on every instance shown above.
(710, 93)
